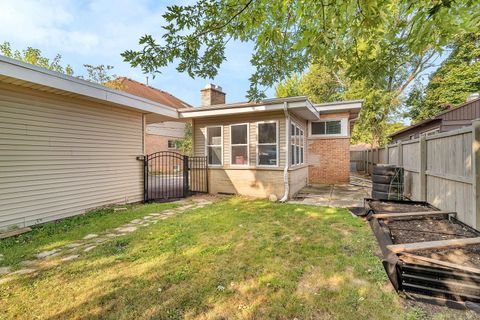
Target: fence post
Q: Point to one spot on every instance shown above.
(476, 171)
(423, 167)
(387, 160)
(186, 185)
(366, 160)
(400, 153)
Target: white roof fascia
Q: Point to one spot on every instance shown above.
(23, 71)
(240, 110)
(339, 106)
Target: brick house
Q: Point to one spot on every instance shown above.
(162, 136)
(271, 147)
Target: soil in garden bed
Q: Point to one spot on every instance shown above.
(466, 256)
(390, 207)
(427, 229)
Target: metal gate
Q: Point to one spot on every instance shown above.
(171, 175)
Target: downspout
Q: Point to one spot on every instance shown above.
(287, 157)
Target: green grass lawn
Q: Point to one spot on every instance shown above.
(56, 234)
(235, 259)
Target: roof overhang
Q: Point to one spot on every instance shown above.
(352, 106)
(299, 106)
(27, 75)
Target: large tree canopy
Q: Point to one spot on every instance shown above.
(456, 78)
(382, 42)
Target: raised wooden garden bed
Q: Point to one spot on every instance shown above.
(428, 254)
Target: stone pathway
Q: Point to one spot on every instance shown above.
(336, 195)
(45, 260)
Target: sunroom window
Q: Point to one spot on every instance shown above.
(267, 144)
(297, 137)
(239, 144)
(214, 145)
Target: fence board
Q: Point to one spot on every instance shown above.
(449, 172)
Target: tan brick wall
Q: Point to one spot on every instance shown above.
(156, 143)
(211, 97)
(329, 160)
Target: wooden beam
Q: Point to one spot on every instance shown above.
(440, 262)
(14, 232)
(416, 246)
(412, 214)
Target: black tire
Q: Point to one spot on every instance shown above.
(384, 169)
(381, 179)
(385, 187)
(385, 196)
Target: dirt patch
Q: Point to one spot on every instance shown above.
(427, 229)
(390, 207)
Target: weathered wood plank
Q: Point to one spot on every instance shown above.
(412, 214)
(14, 232)
(416, 246)
(441, 263)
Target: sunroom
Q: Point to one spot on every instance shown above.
(257, 149)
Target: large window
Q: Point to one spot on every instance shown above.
(239, 144)
(297, 138)
(267, 144)
(327, 127)
(214, 145)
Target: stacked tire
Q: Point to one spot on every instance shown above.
(387, 182)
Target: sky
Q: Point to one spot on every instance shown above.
(96, 32)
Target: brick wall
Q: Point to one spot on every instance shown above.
(156, 143)
(329, 160)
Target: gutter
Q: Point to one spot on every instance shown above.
(287, 158)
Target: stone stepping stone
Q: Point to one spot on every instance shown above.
(156, 214)
(89, 248)
(27, 263)
(24, 271)
(73, 245)
(1, 257)
(69, 258)
(111, 235)
(136, 221)
(126, 229)
(4, 270)
(45, 254)
(90, 236)
(100, 240)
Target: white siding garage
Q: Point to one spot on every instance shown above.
(63, 154)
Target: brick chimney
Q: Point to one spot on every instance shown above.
(212, 95)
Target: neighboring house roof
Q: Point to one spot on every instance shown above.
(30, 76)
(150, 93)
(300, 106)
(469, 110)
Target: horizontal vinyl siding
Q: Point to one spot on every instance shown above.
(62, 156)
(200, 134)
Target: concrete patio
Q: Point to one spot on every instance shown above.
(336, 195)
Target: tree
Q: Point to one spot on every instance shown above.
(319, 84)
(386, 43)
(457, 77)
(100, 74)
(34, 56)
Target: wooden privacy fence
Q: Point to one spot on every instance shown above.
(443, 169)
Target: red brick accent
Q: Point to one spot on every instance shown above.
(329, 160)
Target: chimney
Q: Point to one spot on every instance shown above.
(473, 96)
(212, 95)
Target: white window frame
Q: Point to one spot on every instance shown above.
(214, 145)
(300, 144)
(264, 144)
(343, 128)
(175, 141)
(239, 145)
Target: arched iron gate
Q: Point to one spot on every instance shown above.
(171, 175)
